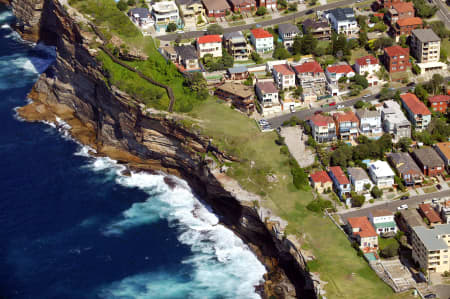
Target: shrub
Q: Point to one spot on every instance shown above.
(376, 192)
(171, 27)
(319, 205)
(122, 5)
(389, 247)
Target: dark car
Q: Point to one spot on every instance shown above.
(439, 186)
(309, 12)
(404, 197)
(429, 296)
(411, 84)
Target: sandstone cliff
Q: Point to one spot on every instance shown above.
(114, 124)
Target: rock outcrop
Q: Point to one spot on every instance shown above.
(74, 89)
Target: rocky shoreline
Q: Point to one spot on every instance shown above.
(74, 89)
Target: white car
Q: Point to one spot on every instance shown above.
(402, 207)
(366, 96)
(340, 106)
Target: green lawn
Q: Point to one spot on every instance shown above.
(430, 189)
(357, 53)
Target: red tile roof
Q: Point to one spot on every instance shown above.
(347, 116)
(340, 69)
(380, 15)
(439, 98)
(260, 33)
(309, 67)
(366, 60)
(396, 51)
(409, 21)
(209, 39)
(339, 175)
(365, 228)
(321, 120)
(402, 7)
(267, 87)
(414, 104)
(283, 69)
(430, 213)
(320, 176)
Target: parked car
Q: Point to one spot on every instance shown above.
(318, 112)
(439, 186)
(366, 96)
(332, 104)
(429, 296)
(340, 106)
(402, 207)
(411, 84)
(404, 197)
(292, 108)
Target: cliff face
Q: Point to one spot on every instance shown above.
(114, 124)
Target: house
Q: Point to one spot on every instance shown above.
(267, 94)
(383, 222)
(359, 179)
(187, 57)
(429, 161)
(406, 168)
(321, 181)
(269, 4)
(284, 76)
(209, 44)
(347, 125)
(405, 26)
(407, 219)
(443, 149)
(370, 65)
(141, 16)
(164, 13)
(271, 63)
(369, 122)
(170, 53)
(238, 6)
(439, 103)
(340, 181)
(396, 59)
(288, 32)
(364, 233)
(399, 11)
(311, 75)
(323, 128)
(216, 8)
(429, 213)
(236, 45)
(394, 121)
(445, 211)
(381, 174)
(418, 113)
(262, 40)
(320, 29)
(192, 11)
(343, 21)
(335, 72)
(426, 48)
(430, 247)
(238, 73)
(241, 96)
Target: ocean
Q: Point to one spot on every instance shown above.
(72, 227)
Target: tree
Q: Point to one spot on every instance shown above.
(171, 27)
(227, 59)
(360, 80)
(215, 29)
(308, 44)
(297, 45)
(382, 42)
(339, 44)
(256, 58)
(399, 183)
(122, 5)
(404, 144)
(131, 2)
(423, 10)
(416, 69)
(298, 92)
(282, 4)
(293, 7)
(443, 55)
(280, 52)
(261, 11)
(386, 94)
(197, 83)
(402, 41)
(343, 79)
(420, 92)
(363, 39)
(359, 104)
(357, 200)
(376, 192)
(390, 250)
(436, 83)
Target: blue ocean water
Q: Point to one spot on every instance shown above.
(72, 227)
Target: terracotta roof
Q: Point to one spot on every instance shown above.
(366, 60)
(260, 33)
(429, 212)
(414, 104)
(267, 87)
(309, 67)
(409, 21)
(365, 228)
(444, 147)
(347, 116)
(439, 98)
(380, 15)
(381, 213)
(283, 69)
(339, 175)
(209, 39)
(396, 51)
(321, 120)
(340, 69)
(402, 7)
(320, 176)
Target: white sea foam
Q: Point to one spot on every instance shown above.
(6, 15)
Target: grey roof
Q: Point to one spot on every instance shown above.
(428, 157)
(429, 237)
(231, 35)
(141, 11)
(287, 28)
(312, 24)
(357, 173)
(366, 113)
(267, 87)
(343, 14)
(404, 163)
(237, 70)
(186, 52)
(426, 35)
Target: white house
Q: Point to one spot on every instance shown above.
(370, 65)
(359, 178)
(141, 16)
(383, 221)
(381, 174)
(340, 181)
(335, 72)
(284, 76)
(343, 21)
(165, 12)
(394, 121)
(267, 94)
(209, 44)
(369, 122)
(272, 63)
(262, 40)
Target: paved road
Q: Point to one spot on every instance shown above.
(392, 205)
(283, 19)
(443, 12)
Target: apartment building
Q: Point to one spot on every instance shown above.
(381, 174)
(323, 128)
(369, 122)
(394, 121)
(311, 75)
(343, 21)
(267, 94)
(288, 32)
(405, 26)
(262, 40)
(209, 44)
(399, 11)
(426, 47)
(418, 113)
(396, 59)
(284, 76)
(236, 45)
(439, 103)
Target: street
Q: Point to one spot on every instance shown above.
(443, 12)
